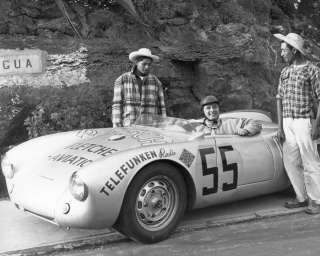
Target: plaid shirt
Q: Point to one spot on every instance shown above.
(298, 87)
(129, 103)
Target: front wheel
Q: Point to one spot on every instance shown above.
(154, 203)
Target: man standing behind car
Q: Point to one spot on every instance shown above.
(137, 92)
(213, 125)
(299, 88)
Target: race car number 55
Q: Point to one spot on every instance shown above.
(233, 167)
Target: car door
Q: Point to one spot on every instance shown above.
(227, 162)
(206, 167)
(252, 156)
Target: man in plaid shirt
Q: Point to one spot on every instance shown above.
(298, 97)
(137, 92)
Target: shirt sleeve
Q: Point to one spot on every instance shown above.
(280, 85)
(117, 103)
(162, 106)
(315, 82)
(252, 126)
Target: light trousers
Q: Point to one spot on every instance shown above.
(301, 159)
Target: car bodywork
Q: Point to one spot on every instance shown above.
(216, 169)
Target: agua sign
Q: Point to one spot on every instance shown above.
(16, 62)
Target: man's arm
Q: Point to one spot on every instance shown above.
(162, 106)
(279, 97)
(117, 103)
(315, 132)
(249, 127)
(280, 119)
(315, 83)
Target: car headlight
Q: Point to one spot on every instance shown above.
(78, 188)
(8, 169)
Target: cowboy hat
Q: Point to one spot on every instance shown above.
(294, 40)
(144, 52)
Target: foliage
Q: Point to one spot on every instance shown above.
(56, 109)
(13, 100)
(69, 109)
(92, 3)
(88, 4)
(10, 104)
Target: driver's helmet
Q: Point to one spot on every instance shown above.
(210, 99)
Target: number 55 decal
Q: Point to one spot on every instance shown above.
(233, 167)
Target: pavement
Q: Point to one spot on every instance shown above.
(24, 234)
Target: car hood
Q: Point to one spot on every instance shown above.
(58, 155)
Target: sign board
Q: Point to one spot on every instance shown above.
(18, 62)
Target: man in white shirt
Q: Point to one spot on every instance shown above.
(212, 124)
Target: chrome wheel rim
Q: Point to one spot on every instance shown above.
(156, 203)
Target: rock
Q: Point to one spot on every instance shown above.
(177, 21)
(100, 21)
(17, 29)
(60, 25)
(231, 29)
(30, 12)
(4, 28)
(262, 31)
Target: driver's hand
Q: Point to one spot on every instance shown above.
(243, 132)
(170, 122)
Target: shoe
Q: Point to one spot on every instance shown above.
(295, 204)
(313, 208)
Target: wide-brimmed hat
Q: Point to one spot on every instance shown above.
(143, 52)
(294, 40)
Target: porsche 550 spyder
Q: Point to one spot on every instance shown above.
(140, 179)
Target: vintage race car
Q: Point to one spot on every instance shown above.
(141, 179)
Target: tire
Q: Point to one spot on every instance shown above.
(154, 203)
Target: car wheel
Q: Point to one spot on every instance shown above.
(154, 203)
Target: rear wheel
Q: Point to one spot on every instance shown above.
(154, 203)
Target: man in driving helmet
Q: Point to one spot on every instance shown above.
(212, 124)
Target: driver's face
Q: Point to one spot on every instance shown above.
(211, 111)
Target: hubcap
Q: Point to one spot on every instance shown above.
(156, 203)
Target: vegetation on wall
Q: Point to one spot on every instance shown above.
(69, 109)
(90, 4)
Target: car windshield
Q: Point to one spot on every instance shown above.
(167, 123)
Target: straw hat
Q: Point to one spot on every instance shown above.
(143, 52)
(294, 40)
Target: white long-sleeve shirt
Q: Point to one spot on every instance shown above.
(231, 126)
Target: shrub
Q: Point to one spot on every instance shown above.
(71, 108)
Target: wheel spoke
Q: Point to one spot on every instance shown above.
(156, 203)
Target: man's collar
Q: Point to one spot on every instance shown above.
(213, 124)
(303, 64)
